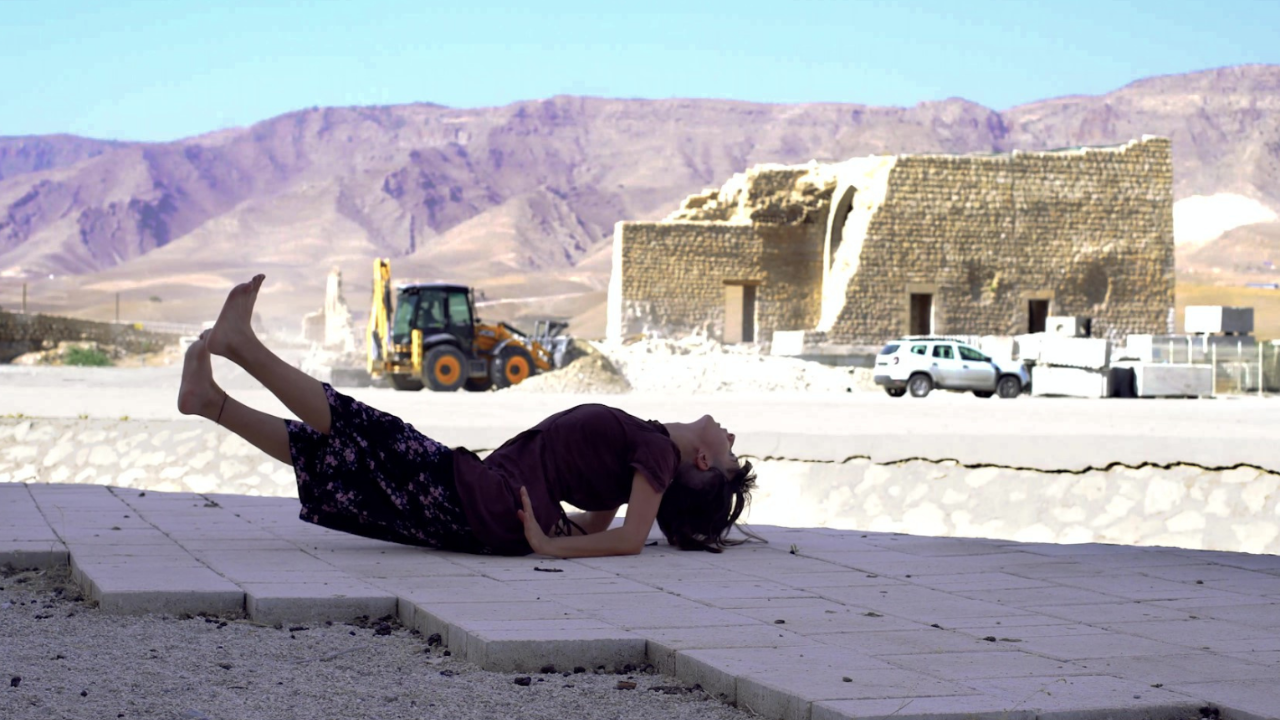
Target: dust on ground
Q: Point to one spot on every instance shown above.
(63, 658)
(693, 365)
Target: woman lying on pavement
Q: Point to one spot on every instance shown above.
(365, 472)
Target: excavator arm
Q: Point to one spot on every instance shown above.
(379, 330)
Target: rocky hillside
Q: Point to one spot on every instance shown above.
(533, 187)
(20, 155)
(1225, 126)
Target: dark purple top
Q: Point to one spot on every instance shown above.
(585, 456)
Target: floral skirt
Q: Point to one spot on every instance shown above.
(374, 475)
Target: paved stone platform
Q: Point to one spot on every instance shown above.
(818, 624)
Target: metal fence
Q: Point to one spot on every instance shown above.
(1241, 364)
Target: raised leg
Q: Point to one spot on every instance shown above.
(200, 395)
(232, 337)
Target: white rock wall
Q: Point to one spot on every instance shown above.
(147, 455)
(1184, 506)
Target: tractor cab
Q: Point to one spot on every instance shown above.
(436, 310)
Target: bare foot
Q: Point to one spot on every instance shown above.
(199, 394)
(233, 331)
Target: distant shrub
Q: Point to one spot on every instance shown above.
(155, 298)
(91, 357)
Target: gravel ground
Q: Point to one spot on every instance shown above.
(62, 658)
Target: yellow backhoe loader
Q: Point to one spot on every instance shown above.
(429, 336)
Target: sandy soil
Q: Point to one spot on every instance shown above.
(62, 658)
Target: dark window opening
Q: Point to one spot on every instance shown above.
(1037, 313)
(921, 314)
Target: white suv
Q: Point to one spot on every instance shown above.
(920, 364)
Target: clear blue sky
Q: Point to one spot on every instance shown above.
(166, 69)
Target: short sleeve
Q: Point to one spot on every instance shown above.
(655, 458)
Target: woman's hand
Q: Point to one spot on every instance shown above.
(538, 540)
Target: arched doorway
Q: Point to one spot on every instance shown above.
(835, 228)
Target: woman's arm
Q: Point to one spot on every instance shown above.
(642, 509)
(592, 521)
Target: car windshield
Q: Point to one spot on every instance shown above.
(890, 349)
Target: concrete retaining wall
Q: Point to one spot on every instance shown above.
(1183, 506)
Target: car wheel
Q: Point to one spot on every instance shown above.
(984, 394)
(920, 385)
(896, 392)
(1009, 387)
(444, 368)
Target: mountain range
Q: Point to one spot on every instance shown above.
(520, 200)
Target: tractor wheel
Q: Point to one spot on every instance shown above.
(444, 368)
(513, 366)
(477, 384)
(920, 385)
(406, 382)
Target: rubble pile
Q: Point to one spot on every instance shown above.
(588, 371)
(694, 365)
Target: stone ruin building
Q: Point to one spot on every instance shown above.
(330, 327)
(866, 250)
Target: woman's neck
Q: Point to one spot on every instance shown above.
(682, 435)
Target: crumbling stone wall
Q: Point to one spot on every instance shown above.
(330, 327)
(764, 228)
(21, 334)
(674, 282)
(1089, 230)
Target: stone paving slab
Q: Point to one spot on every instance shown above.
(36, 554)
(329, 599)
(851, 625)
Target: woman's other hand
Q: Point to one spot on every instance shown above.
(532, 532)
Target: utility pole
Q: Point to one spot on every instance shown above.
(24, 298)
(117, 308)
